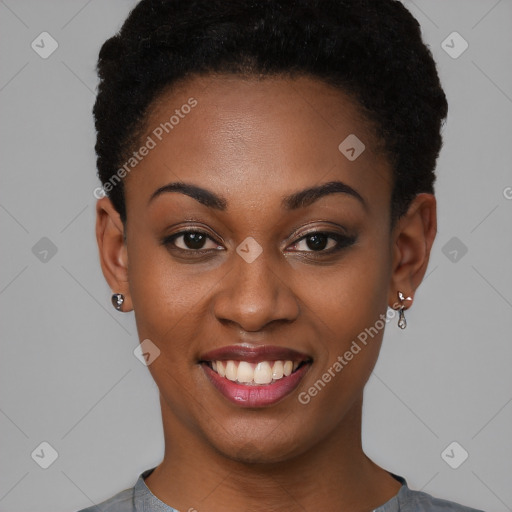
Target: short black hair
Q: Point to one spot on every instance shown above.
(371, 50)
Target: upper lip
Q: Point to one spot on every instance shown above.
(254, 354)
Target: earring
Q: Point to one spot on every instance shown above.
(402, 323)
(117, 301)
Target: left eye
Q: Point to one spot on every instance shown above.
(322, 242)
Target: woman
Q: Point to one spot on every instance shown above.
(268, 171)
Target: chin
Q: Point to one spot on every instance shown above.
(269, 446)
(251, 453)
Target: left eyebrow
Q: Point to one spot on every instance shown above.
(300, 199)
(308, 196)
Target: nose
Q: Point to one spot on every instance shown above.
(253, 295)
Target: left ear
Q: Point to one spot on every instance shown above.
(412, 241)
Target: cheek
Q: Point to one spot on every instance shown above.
(162, 297)
(350, 306)
(351, 296)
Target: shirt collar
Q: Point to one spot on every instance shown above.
(146, 501)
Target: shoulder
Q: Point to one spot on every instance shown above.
(416, 501)
(123, 501)
(133, 499)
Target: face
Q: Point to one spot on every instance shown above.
(257, 281)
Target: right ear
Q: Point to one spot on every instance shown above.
(112, 249)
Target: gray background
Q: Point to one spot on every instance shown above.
(68, 373)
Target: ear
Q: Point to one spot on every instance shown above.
(412, 241)
(112, 249)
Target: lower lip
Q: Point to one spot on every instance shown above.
(258, 395)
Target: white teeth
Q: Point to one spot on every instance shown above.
(278, 370)
(231, 370)
(264, 372)
(245, 372)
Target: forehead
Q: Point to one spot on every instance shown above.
(254, 139)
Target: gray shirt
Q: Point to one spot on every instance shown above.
(140, 499)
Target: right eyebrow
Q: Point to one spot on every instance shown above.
(206, 197)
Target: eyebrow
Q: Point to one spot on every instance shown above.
(294, 201)
(202, 195)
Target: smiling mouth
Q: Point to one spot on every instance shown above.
(255, 374)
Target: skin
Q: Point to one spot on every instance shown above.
(253, 141)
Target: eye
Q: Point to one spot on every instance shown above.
(190, 241)
(320, 241)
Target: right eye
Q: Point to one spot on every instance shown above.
(190, 241)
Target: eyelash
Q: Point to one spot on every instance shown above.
(342, 242)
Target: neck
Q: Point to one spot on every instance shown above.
(335, 474)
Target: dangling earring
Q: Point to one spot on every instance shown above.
(117, 301)
(402, 323)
